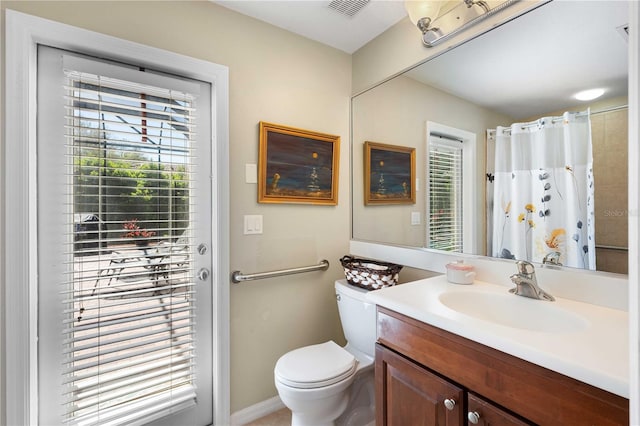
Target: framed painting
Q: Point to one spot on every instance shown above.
(297, 166)
(389, 174)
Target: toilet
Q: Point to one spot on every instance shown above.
(326, 384)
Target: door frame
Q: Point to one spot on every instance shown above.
(23, 33)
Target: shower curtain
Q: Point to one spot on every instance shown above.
(542, 191)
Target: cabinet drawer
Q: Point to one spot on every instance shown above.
(536, 393)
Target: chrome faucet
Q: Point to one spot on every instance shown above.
(527, 284)
(552, 258)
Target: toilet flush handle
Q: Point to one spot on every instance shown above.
(338, 298)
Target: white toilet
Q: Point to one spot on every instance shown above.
(326, 384)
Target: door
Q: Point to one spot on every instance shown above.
(124, 244)
(411, 395)
(484, 413)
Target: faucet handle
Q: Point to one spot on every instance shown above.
(552, 258)
(525, 267)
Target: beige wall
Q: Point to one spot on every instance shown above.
(396, 113)
(278, 77)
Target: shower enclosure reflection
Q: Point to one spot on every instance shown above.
(444, 91)
(541, 183)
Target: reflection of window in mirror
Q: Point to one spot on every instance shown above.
(449, 192)
(445, 194)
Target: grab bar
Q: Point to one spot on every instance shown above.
(238, 276)
(603, 247)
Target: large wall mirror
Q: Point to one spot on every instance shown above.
(451, 110)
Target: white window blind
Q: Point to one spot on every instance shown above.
(445, 176)
(129, 299)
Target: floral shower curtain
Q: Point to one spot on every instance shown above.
(543, 188)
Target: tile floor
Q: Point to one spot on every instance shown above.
(279, 418)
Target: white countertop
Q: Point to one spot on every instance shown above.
(596, 352)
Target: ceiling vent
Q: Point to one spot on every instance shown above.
(348, 7)
(624, 32)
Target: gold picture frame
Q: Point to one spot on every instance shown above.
(297, 166)
(389, 174)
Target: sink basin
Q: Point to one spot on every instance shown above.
(514, 311)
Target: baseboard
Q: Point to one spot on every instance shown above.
(255, 411)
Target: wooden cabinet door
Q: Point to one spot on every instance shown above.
(488, 414)
(408, 394)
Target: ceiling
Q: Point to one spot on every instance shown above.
(314, 19)
(564, 33)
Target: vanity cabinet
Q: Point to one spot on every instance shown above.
(413, 395)
(428, 376)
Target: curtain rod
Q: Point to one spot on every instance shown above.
(559, 118)
(610, 109)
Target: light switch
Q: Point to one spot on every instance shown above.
(250, 173)
(252, 224)
(415, 218)
(417, 184)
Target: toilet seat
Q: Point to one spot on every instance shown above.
(315, 366)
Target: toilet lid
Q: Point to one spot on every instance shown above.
(315, 366)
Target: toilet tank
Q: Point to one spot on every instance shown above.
(358, 317)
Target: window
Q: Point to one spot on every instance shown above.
(451, 190)
(445, 228)
(126, 190)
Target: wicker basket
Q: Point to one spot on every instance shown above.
(370, 274)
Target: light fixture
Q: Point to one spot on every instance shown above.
(439, 20)
(422, 12)
(589, 95)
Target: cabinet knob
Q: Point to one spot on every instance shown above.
(473, 417)
(450, 404)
